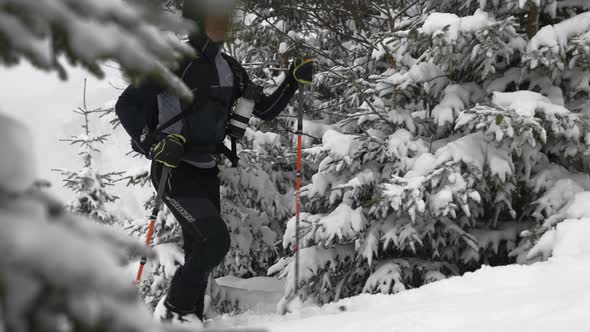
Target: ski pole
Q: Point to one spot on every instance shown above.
(298, 188)
(153, 218)
(298, 180)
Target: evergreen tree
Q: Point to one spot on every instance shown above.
(440, 148)
(88, 183)
(60, 272)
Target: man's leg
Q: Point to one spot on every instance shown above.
(188, 243)
(187, 290)
(190, 200)
(213, 194)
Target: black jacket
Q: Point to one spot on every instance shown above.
(217, 81)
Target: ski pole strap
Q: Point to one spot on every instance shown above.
(300, 123)
(161, 191)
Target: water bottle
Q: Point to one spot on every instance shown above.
(240, 118)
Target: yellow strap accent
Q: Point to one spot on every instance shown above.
(178, 136)
(304, 62)
(158, 149)
(166, 164)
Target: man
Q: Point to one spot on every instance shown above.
(188, 146)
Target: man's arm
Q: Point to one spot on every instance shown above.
(137, 110)
(300, 72)
(269, 107)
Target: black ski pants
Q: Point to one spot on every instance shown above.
(192, 195)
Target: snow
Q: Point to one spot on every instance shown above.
(542, 297)
(258, 294)
(319, 185)
(315, 260)
(436, 22)
(509, 232)
(17, 164)
(579, 207)
(170, 256)
(402, 147)
(557, 196)
(473, 151)
(340, 145)
(261, 140)
(580, 80)
(526, 103)
(386, 279)
(345, 221)
(568, 239)
(421, 72)
(253, 284)
(341, 224)
(469, 149)
(550, 174)
(283, 48)
(81, 259)
(574, 3)
(555, 37)
(40, 49)
(95, 31)
(316, 128)
(571, 238)
(424, 165)
(456, 99)
(500, 163)
(441, 200)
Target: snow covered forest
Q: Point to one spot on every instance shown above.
(446, 165)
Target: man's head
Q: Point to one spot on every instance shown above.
(212, 16)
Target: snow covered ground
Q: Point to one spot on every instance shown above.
(547, 296)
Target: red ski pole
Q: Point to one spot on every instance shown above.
(153, 218)
(298, 195)
(298, 181)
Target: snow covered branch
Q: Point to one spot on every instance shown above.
(88, 32)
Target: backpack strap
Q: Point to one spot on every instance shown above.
(239, 72)
(230, 154)
(242, 80)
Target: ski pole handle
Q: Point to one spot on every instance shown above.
(153, 218)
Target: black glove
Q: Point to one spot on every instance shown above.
(169, 151)
(302, 71)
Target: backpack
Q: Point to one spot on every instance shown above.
(146, 130)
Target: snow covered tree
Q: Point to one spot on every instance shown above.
(440, 148)
(90, 186)
(127, 32)
(47, 251)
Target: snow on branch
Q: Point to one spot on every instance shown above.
(90, 32)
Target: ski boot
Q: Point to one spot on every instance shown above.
(167, 315)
